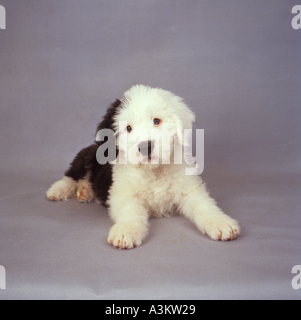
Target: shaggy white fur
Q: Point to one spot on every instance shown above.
(64, 189)
(145, 189)
(148, 180)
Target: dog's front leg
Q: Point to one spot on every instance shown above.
(200, 208)
(131, 223)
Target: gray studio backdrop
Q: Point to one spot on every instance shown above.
(235, 63)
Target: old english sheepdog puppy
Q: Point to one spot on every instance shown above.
(141, 182)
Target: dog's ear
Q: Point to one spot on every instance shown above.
(184, 119)
(109, 118)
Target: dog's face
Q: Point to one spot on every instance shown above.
(149, 123)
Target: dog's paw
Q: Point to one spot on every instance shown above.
(62, 190)
(85, 193)
(127, 235)
(222, 228)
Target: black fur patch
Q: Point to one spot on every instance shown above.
(85, 164)
(108, 121)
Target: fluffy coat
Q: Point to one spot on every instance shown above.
(148, 184)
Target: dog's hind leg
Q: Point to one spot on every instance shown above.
(76, 177)
(84, 192)
(63, 189)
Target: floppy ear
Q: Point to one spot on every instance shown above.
(184, 119)
(109, 117)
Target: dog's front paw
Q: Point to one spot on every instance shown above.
(62, 190)
(222, 228)
(127, 235)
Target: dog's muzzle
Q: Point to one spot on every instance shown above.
(146, 148)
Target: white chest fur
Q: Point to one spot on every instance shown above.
(160, 188)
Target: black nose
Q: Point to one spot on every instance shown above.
(146, 148)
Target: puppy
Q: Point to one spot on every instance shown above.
(142, 180)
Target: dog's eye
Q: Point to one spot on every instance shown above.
(128, 128)
(157, 122)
